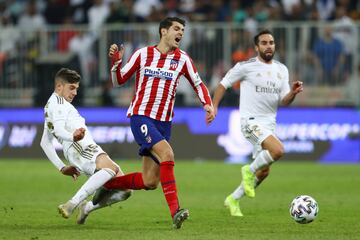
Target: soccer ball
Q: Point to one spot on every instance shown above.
(304, 209)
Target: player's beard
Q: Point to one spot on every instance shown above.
(267, 56)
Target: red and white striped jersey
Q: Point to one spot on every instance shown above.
(157, 77)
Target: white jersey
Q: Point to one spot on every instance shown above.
(58, 110)
(262, 87)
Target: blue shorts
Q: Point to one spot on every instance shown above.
(147, 132)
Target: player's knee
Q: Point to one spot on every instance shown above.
(113, 167)
(169, 155)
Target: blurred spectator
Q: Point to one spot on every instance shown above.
(297, 9)
(261, 11)
(326, 9)
(187, 6)
(82, 45)
(353, 87)
(171, 7)
(9, 36)
(143, 8)
(345, 32)
(79, 9)
(239, 14)
(221, 10)
(97, 15)
(66, 33)
(55, 11)
(121, 12)
(31, 22)
(250, 23)
(328, 57)
(14, 9)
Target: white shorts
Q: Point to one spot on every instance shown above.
(256, 131)
(84, 160)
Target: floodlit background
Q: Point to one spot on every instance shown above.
(319, 41)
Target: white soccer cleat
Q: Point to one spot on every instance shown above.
(82, 215)
(66, 209)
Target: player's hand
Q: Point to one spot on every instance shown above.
(79, 134)
(297, 87)
(210, 113)
(115, 53)
(70, 171)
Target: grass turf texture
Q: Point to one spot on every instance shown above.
(31, 191)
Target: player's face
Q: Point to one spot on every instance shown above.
(266, 47)
(68, 91)
(174, 34)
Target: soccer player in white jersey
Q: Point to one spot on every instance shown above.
(63, 122)
(158, 70)
(264, 85)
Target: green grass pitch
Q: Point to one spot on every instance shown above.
(30, 191)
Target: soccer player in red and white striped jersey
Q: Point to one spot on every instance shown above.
(158, 70)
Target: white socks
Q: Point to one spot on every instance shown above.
(263, 159)
(92, 184)
(117, 196)
(239, 191)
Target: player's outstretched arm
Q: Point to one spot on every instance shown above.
(297, 87)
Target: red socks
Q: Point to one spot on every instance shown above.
(168, 184)
(135, 181)
(129, 181)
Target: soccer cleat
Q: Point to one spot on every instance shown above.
(101, 194)
(180, 216)
(248, 179)
(66, 209)
(233, 205)
(82, 215)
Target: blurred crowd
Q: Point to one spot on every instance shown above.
(37, 13)
(326, 53)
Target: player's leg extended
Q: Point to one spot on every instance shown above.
(147, 179)
(146, 135)
(104, 198)
(272, 150)
(164, 153)
(233, 200)
(151, 172)
(97, 179)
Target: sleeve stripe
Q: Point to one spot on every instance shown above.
(121, 75)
